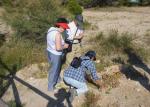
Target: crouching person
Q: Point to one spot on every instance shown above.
(75, 74)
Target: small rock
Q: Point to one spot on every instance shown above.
(31, 78)
(138, 90)
(98, 61)
(141, 105)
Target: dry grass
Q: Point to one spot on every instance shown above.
(91, 100)
(21, 53)
(111, 81)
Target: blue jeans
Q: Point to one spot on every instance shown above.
(81, 86)
(54, 70)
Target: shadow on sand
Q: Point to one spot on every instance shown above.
(9, 81)
(131, 72)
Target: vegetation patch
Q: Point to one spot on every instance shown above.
(111, 81)
(116, 48)
(20, 53)
(31, 19)
(91, 99)
(13, 104)
(74, 7)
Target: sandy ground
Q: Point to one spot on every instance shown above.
(33, 92)
(132, 20)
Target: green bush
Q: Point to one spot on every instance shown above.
(144, 54)
(123, 2)
(117, 42)
(74, 7)
(19, 53)
(86, 24)
(113, 43)
(109, 47)
(84, 2)
(145, 2)
(31, 19)
(13, 104)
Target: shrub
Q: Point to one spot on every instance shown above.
(74, 7)
(144, 54)
(31, 19)
(111, 46)
(13, 104)
(20, 53)
(84, 2)
(123, 2)
(145, 2)
(112, 43)
(86, 24)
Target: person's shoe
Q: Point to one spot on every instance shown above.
(73, 93)
(61, 85)
(53, 90)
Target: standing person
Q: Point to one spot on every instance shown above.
(76, 31)
(55, 45)
(75, 76)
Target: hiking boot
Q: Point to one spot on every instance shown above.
(73, 93)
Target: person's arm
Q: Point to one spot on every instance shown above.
(78, 37)
(65, 46)
(58, 43)
(99, 83)
(95, 79)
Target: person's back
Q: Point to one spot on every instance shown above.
(80, 72)
(51, 45)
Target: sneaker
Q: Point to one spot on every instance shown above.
(61, 85)
(73, 93)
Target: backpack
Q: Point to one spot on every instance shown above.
(76, 62)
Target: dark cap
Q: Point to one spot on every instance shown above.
(62, 20)
(91, 54)
(79, 18)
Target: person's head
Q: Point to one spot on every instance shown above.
(91, 54)
(62, 26)
(62, 20)
(79, 21)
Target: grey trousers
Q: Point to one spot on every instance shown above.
(54, 70)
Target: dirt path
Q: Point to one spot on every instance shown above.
(32, 92)
(132, 20)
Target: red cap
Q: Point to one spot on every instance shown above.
(63, 25)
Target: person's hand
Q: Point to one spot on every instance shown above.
(78, 37)
(99, 83)
(66, 46)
